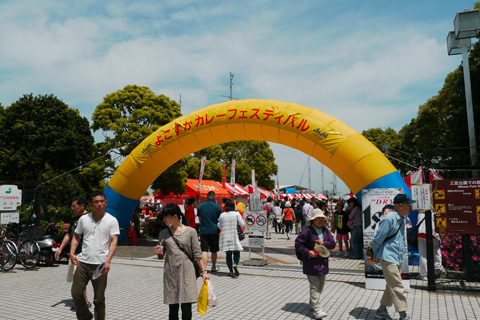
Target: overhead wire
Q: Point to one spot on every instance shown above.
(86, 164)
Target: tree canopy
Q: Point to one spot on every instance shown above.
(41, 139)
(248, 155)
(128, 115)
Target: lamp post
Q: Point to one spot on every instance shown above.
(466, 26)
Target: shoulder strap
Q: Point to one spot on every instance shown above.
(390, 237)
(178, 244)
(421, 221)
(309, 236)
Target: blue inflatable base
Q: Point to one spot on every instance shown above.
(395, 180)
(121, 208)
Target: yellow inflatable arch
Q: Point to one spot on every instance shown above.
(345, 151)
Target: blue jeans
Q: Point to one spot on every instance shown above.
(304, 224)
(357, 242)
(236, 259)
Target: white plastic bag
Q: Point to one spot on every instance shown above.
(212, 298)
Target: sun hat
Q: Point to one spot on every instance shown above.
(317, 213)
(288, 204)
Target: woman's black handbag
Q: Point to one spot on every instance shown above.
(195, 264)
(241, 234)
(412, 236)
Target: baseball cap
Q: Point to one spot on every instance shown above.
(402, 198)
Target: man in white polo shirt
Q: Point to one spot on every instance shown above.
(100, 232)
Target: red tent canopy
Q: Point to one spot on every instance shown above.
(300, 196)
(264, 193)
(239, 190)
(191, 188)
(207, 185)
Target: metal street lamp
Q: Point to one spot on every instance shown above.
(467, 25)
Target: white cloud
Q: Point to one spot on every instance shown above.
(359, 66)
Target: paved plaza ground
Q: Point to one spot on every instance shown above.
(276, 291)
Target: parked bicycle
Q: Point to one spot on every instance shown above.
(27, 251)
(9, 251)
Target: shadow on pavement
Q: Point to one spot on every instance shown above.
(68, 303)
(297, 307)
(363, 313)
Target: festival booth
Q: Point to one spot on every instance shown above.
(191, 191)
(300, 196)
(149, 200)
(288, 196)
(241, 194)
(322, 196)
(264, 193)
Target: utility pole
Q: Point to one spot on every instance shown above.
(180, 102)
(334, 184)
(231, 88)
(322, 173)
(309, 176)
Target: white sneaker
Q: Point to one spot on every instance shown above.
(215, 269)
(319, 315)
(439, 271)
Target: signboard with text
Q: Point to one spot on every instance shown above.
(9, 217)
(457, 205)
(255, 202)
(422, 194)
(10, 197)
(255, 221)
(256, 241)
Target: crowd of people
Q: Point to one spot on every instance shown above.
(185, 241)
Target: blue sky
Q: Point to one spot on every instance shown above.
(368, 63)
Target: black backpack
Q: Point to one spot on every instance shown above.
(309, 239)
(298, 214)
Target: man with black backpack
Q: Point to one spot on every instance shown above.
(298, 218)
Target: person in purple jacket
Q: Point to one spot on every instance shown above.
(314, 265)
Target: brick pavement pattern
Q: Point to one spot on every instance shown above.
(276, 291)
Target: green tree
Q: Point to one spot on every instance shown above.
(173, 179)
(382, 139)
(388, 141)
(127, 116)
(42, 139)
(131, 114)
(248, 155)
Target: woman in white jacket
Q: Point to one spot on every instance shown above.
(229, 241)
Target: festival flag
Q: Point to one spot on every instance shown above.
(201, 174)
(232, 181)
(278, 189)
(223, 181)
(254, 186)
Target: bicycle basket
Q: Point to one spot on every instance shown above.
(33, 232)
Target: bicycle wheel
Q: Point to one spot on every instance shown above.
(1, 258)
(28, 253)
(9, 255)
